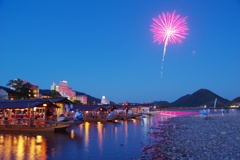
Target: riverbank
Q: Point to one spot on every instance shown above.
(193, 137)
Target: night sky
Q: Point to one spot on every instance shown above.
(105, 48)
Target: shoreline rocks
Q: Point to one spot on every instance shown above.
(194, 137)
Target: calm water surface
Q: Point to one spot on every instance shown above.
(110, 140)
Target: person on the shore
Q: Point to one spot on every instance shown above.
(205, 113)
(208, 110)
(222, 110)
(228, 110)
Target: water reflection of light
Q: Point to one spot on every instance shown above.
(7, 148)
(87, 124)
(100, 135)
(126, 127)
(145, 127)
(39, 139)
(116, 132)
(1, 139)
(41, 148)
(23, 147)
(72, 135)
(31, 147)
(126, 131)
(134, 121)
(20, 149)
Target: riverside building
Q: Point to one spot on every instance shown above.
(67, 91)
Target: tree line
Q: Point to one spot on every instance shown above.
(24, 90)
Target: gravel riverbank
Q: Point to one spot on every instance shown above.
(194, 137)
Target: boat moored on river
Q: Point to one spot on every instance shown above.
(32, 115)
(107, 113)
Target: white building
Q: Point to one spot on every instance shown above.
(104, 100)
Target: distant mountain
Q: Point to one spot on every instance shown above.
(200, 98)
(235, 101)
(90, 99)
(46, 92)
(161, 103)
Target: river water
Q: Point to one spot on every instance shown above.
(110, 140)
(88, 141)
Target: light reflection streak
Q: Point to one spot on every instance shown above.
(6, 148)
(72, 134)
(22, 147)
(144, 124)
(134, 122)
(86, 140)
(38, 139)
(126, 131)
(115, 133)
(100, 135)
(20, 144)
(31, 146)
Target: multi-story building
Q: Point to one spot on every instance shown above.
(67, 91)
(35, 91)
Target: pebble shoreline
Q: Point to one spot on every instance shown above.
(195, 137)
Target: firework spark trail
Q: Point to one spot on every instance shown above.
(168, 28)
(164, 52)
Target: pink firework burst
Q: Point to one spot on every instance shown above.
(168, 27)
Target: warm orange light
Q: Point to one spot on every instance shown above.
(39, 139)
(24, 147)
(86, 124)
(100, 134)
(72, 135)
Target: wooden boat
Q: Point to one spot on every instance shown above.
(37, 126)
(23, 115)
(97, 119)
(107, 113)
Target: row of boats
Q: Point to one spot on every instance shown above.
(57, 114)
